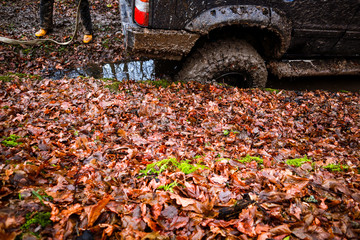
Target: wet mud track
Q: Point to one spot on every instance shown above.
(328, 83)
(153, 69)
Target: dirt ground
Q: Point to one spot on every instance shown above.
(20, 20)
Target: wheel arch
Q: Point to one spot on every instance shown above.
(243, 21)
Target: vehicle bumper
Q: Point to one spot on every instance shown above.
(154, 43)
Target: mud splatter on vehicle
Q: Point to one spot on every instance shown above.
(236, 40)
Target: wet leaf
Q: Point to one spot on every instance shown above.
(184, 202)
(281, 229)
(96, 209)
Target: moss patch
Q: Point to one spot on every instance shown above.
(39, 218)
(12, 76)
(164, 83)
(5, 78)
(11, 141)
(272, 90)
(169, 187)
(249, 159)
(336, 167)
(114, 86)
(297, 162)
(157, 168)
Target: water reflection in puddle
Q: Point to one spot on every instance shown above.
(138, 70)
(134, 70)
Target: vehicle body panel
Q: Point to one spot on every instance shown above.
(154, 43)
(305, 28)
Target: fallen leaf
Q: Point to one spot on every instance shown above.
(96, 209)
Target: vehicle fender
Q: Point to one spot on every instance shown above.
(248, 16)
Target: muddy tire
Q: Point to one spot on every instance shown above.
(225, 57)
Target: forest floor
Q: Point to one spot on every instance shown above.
(86, 158)
(20, 20)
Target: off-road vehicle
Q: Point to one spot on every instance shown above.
(217, 39)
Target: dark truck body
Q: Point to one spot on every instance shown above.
(285, 32)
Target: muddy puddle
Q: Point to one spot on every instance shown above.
(135, 70)
(131, 70)
(152, 70)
